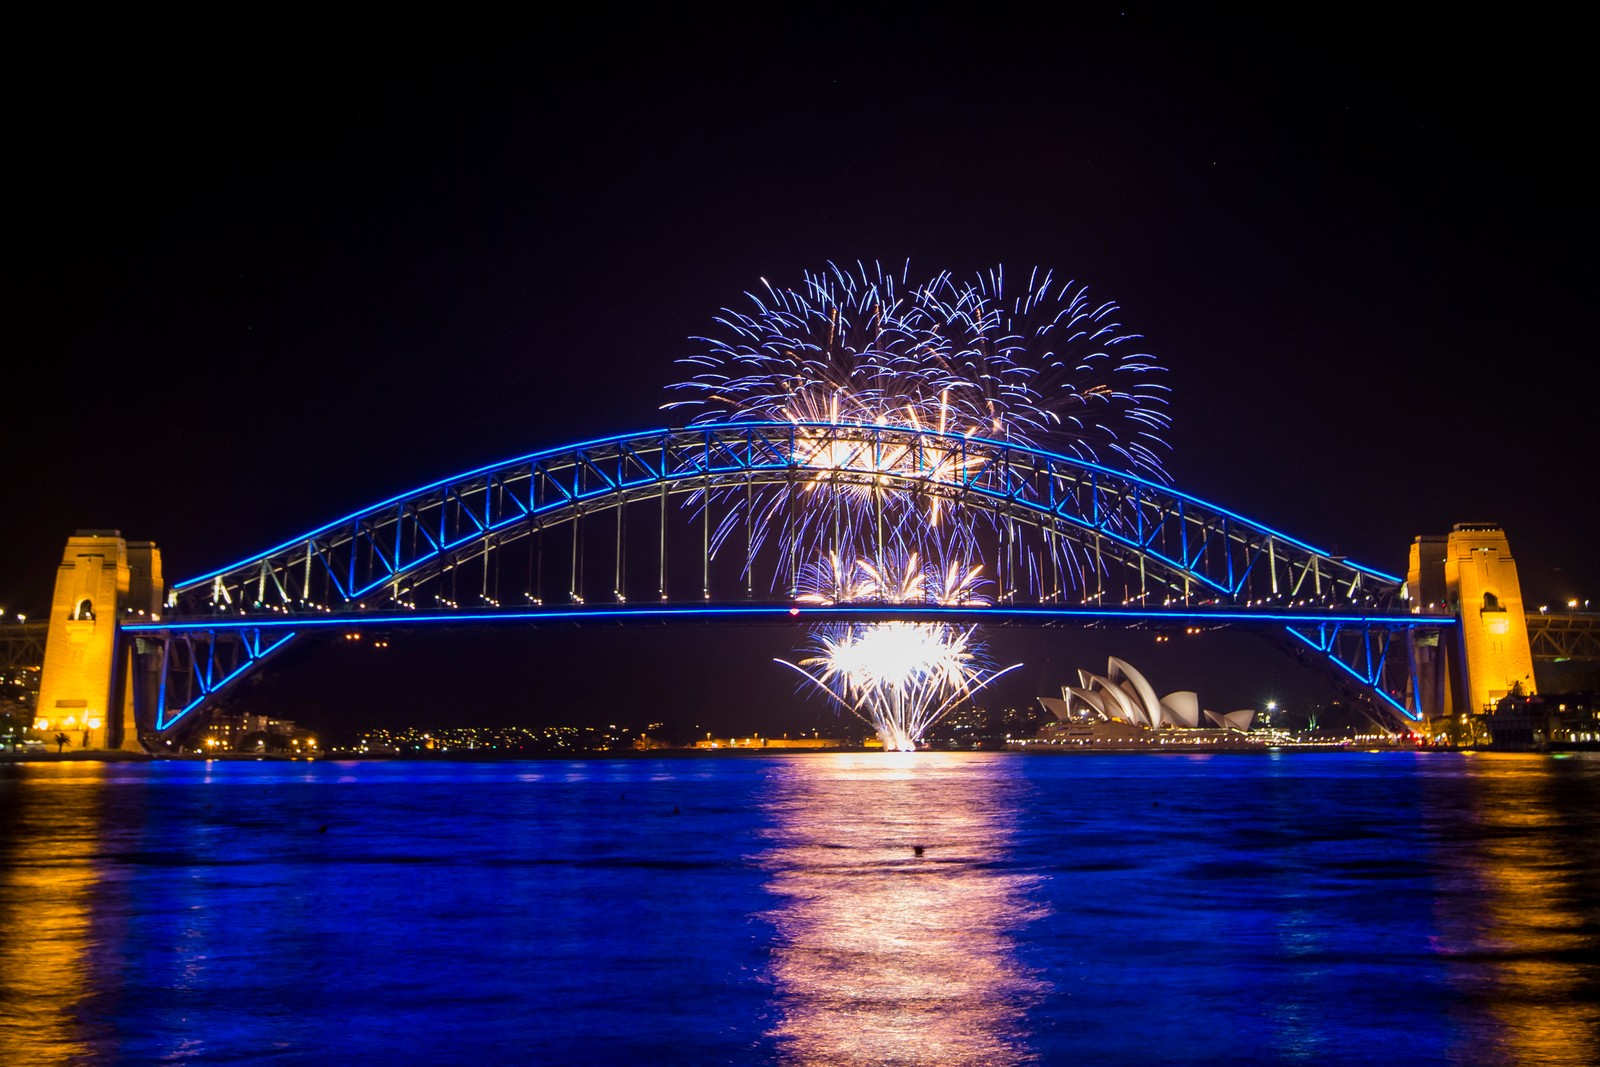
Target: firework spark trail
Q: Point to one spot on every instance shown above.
(898, 677)
(1048, 368)
(895, 578)
(1043, 366)
(1059, 366)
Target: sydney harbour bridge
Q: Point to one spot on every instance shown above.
(678, 525)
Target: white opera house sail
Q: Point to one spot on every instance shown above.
(1121, 707)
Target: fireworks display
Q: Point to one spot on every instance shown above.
(898, 677)
(1049, 367)
(896, 578)
(1040, 365)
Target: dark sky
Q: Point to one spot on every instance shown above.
(261, 274)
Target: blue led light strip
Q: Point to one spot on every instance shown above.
(1372, 684)
(779, 612)
(714, 435)
(253, 657)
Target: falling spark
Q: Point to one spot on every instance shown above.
(1041, 365)
(898, 677)
(1047, 366)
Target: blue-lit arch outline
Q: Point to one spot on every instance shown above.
(1155, 489)
(785, 460)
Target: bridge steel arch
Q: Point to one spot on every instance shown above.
(1061, 533)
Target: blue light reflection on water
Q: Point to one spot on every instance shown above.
(1106, 909)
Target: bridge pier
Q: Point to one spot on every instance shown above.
(1469, 572)
(86, 686)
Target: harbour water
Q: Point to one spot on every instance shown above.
(805, 908)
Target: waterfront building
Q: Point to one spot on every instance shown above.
(756, 741)
(1123, 695)
(1120, 709)
(1529, 723)
(19, 700)
(253, 732)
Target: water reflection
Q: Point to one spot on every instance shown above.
(47, 879)
(882, 954)
(1330, 910)
(1521, 931)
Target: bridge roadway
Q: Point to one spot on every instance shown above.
(790, 612)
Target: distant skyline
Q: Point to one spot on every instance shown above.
(260, 285)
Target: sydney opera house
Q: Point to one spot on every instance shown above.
(1121, 707)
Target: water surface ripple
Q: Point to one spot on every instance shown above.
(804, 909)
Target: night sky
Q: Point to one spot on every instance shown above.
(263, 274)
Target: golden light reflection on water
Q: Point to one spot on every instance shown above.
(47, 878)
(886, 956)
(1529, 939)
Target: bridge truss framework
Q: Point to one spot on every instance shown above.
(721, 521)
